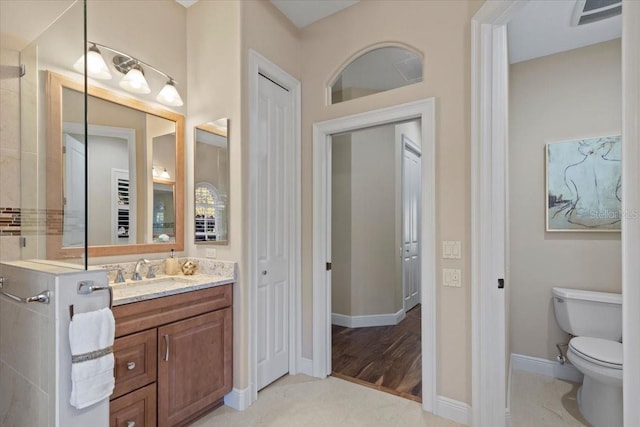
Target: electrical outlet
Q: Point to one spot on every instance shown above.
(452, 277)
(211, 253)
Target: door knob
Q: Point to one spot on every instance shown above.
(264, 272)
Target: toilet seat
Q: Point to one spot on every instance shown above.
(601, 352)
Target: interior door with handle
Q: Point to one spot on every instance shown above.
(411, 173)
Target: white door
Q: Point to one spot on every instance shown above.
(275, 115)
(410, 225)
(74, 214)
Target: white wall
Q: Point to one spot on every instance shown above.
(569, 95)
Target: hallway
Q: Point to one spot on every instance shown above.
(386, 358)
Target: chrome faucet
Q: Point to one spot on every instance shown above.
(136, 270)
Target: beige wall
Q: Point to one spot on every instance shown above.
(440, 30)
(214, 76)
(368, 273)
(341, 224)
(569, 95)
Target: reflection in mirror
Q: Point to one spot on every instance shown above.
(134, 160)
(376, 71)
(211, 175)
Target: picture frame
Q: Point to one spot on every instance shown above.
(583, 185)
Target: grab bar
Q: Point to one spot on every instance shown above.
(42, 297)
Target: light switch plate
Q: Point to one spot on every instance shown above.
(452, 277)
(211, 253)
(451, 249)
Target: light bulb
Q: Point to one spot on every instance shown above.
(96, 66)
(169, 95)
(134, 81)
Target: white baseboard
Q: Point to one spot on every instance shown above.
(367, 321)
(305, 366)
(453, 410)
(549, 368)
(238, 399)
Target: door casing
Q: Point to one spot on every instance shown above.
(425, 111)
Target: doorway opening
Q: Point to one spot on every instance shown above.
(375, 246)
(323, 272)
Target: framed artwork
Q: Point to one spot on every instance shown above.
(583, 184)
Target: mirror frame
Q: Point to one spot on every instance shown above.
(210, 127)
(54, 87)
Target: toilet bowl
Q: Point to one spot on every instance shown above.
(600, 396)
(595, 321)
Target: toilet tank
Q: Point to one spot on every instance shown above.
(589, 313)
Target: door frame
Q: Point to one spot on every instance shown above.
(489, 119)
(258, 64)
(425, 111)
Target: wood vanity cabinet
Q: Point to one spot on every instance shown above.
(173, 358)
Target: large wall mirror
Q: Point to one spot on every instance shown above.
(211, 177)
(134, 158)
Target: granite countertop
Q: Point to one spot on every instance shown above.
(163, 285)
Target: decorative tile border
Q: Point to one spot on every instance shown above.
(29, 222)
(10, 222)
(205, 266)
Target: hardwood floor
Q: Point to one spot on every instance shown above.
(387, 358)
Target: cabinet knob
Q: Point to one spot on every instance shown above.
(131, 424)
(131, 366)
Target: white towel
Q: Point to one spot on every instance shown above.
(91, 337)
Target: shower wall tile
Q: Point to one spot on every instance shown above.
(10, 178)
(29, 102)
(18, 347)
(21, 402)
(9, 62)
(9, 248)
(9, 119)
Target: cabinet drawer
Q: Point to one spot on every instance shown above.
(135, 361)
(137, 409)
(144, 315)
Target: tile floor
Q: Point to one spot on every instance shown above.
(299, 400)
(537, 401)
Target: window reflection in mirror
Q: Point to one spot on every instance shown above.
(211, 177)
(377, 70)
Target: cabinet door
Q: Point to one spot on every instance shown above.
(194, 366)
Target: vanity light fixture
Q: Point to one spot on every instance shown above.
(96, 67)
(169, 95)
(134, 80)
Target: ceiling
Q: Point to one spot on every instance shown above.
(306, 12)
(543, 27)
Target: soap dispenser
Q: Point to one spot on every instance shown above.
(171, 265)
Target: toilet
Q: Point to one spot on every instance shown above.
(595, 321)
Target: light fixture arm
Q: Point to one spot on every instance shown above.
(117, 52)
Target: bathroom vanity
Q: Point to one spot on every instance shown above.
(173, 350)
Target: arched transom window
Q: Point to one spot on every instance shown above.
(377, 70)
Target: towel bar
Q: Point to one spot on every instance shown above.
(42, 297)
(87, 287)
